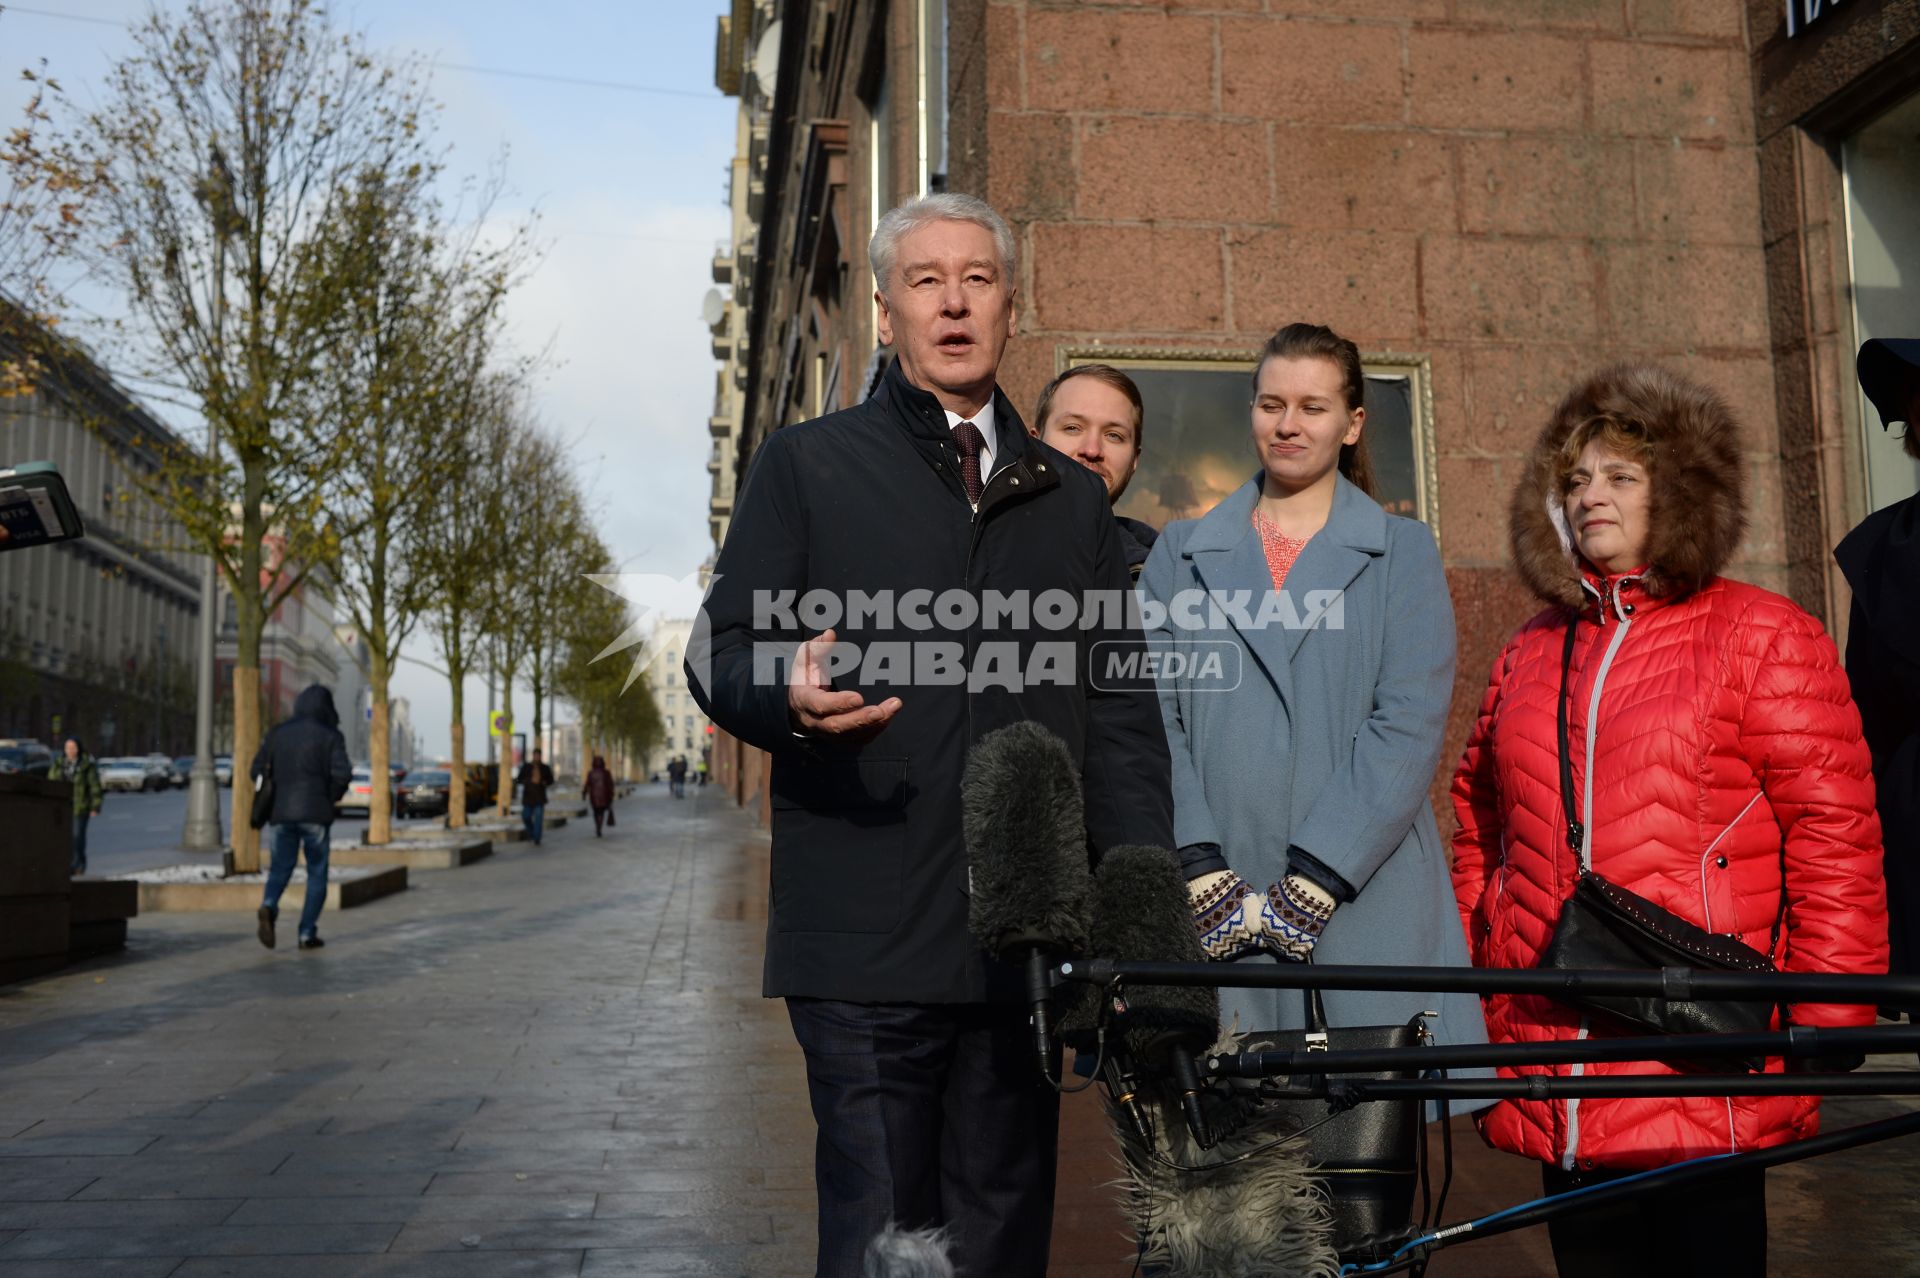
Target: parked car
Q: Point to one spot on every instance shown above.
(183, 770)
(223, 769)
(426, 793)
(25, 756)
(162, 769)
(359, 795)
(125, 774)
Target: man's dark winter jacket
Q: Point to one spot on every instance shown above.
(1881, 559)
(533, 780)
(869, 871)
(1136, 542)
(309, 758)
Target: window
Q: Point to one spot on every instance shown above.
(1881, 167)
(1197, 447)
(931, 67)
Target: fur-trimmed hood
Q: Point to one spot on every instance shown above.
(1698, 513)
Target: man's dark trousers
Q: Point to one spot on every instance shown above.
(930, 1114)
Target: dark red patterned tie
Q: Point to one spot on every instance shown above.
(971, 442)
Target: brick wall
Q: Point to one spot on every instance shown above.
(1519, 189)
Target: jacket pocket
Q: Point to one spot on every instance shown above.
(839, 845)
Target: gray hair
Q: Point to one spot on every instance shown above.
(884, 252)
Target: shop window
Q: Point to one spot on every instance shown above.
(1881, 164)
(1196, 430)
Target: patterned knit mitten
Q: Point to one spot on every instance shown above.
(1226, 914)
(1294, 914)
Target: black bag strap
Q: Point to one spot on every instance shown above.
(1316, 1010)
(1576, 833)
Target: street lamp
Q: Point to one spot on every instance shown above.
(202, 833)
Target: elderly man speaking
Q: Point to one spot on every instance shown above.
(926, 555)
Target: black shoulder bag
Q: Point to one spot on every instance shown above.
(1603, 925)
(262, 811)
(1367, 1156)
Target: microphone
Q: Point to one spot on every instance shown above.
(1243, 1200)
(1026, 837)
(1141, 914)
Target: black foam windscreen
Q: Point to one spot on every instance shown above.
(1026, 835)
(1141, 914)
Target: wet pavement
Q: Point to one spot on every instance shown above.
(554, 1061)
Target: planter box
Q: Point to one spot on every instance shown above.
(353, 885)
(37, 815)
(493, 830)
(100, 900)
(438, 853)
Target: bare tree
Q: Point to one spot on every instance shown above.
(615, 716)
(536, 473)
(42, 201)
(461, 547)
(412, 324)
(226, 147)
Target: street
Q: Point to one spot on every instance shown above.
(137, 830)
(555, 1061)
(140, 830)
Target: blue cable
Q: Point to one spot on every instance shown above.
(1454, 1231)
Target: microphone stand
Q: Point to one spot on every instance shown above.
(1796, 1042)
(1039, 997)
(1676, 984)
(1541, 1210)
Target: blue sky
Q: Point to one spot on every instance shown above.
(631, 190)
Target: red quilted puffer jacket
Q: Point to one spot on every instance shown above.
(1714, 742)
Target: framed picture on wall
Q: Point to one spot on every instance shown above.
(1197, 446)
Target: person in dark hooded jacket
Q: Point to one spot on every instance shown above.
(598, 792)
(1881, 560)
(306, 758)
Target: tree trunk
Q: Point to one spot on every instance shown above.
(379, 753)
(246, 742)
(249, 606)
(506, 744)
(457, 767)
(537, 740)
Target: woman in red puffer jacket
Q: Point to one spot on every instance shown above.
(1718, 770)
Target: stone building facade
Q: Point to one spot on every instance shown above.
(1491, 197)
(97, 635)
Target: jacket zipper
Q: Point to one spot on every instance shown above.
(977, 525)
(1609, 600)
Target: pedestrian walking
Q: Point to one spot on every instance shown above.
(677, 777)
(305, 761)
(78, 768)
(533, 779)
(1659, 730)
(1881, 560)
(598, 792)
(1300, 798)
(919, 1056)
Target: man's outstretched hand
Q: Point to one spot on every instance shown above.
(817, 710)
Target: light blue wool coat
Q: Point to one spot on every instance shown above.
(1328, 742)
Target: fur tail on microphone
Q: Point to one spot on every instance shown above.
(907, 1253)
(1266, 1217)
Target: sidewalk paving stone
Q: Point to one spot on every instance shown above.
(553, 1063)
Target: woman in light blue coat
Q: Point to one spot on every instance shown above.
(1302, 755)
